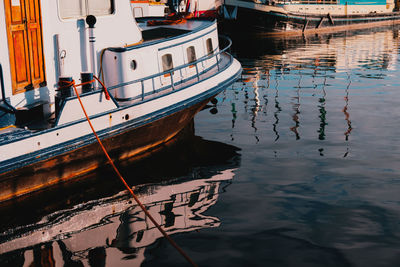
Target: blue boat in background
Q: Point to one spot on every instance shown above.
(312, 15)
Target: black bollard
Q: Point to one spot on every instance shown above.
(86, 77)
(65, 90)
(65, 87)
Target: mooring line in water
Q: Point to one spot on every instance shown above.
(172, 242)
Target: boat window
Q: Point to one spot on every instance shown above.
(82, 8)
(133, 64)
(71, 8)
(210, 49)
(191, 54)
(100, 7)
(167, 63)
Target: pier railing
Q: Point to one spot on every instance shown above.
(219, 65)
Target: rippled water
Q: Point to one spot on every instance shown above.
(316, 181)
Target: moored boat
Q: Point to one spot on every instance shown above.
(151, 82)
(192, 8)
(311, 15)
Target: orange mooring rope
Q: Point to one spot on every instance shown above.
(172, 242)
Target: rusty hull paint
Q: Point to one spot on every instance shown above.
(132, 144)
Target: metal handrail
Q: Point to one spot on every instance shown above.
(3, 96)
(3, 93)
(179, 68)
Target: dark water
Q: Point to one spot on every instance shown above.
(316, 181)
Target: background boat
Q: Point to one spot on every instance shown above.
(310, 15)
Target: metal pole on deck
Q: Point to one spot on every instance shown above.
(91, 21)
(61, 54)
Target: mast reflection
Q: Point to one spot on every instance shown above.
(346, 113)
(278, 109)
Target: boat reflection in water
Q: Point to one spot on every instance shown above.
(339, 51)
(311, 87)
(113, 230)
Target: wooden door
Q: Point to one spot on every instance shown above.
(24, 32)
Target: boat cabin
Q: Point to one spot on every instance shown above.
(47, 41)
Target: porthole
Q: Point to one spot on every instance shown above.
(133, 64)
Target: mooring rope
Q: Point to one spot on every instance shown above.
(171, 241)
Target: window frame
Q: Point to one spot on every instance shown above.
(171, 65)
(192, 50)
(209, 46)
(87, 11)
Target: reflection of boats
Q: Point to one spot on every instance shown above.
(349, 52)
(114, 226)
(158, 77)
(339, 52)
(312, 15)
(314, 72)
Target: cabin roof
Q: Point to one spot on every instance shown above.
(161, 33)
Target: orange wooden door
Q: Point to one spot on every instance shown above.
(25, 44)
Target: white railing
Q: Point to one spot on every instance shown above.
(220, 65)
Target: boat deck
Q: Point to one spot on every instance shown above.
(38, 122)
(13, 132)
(9, 133)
